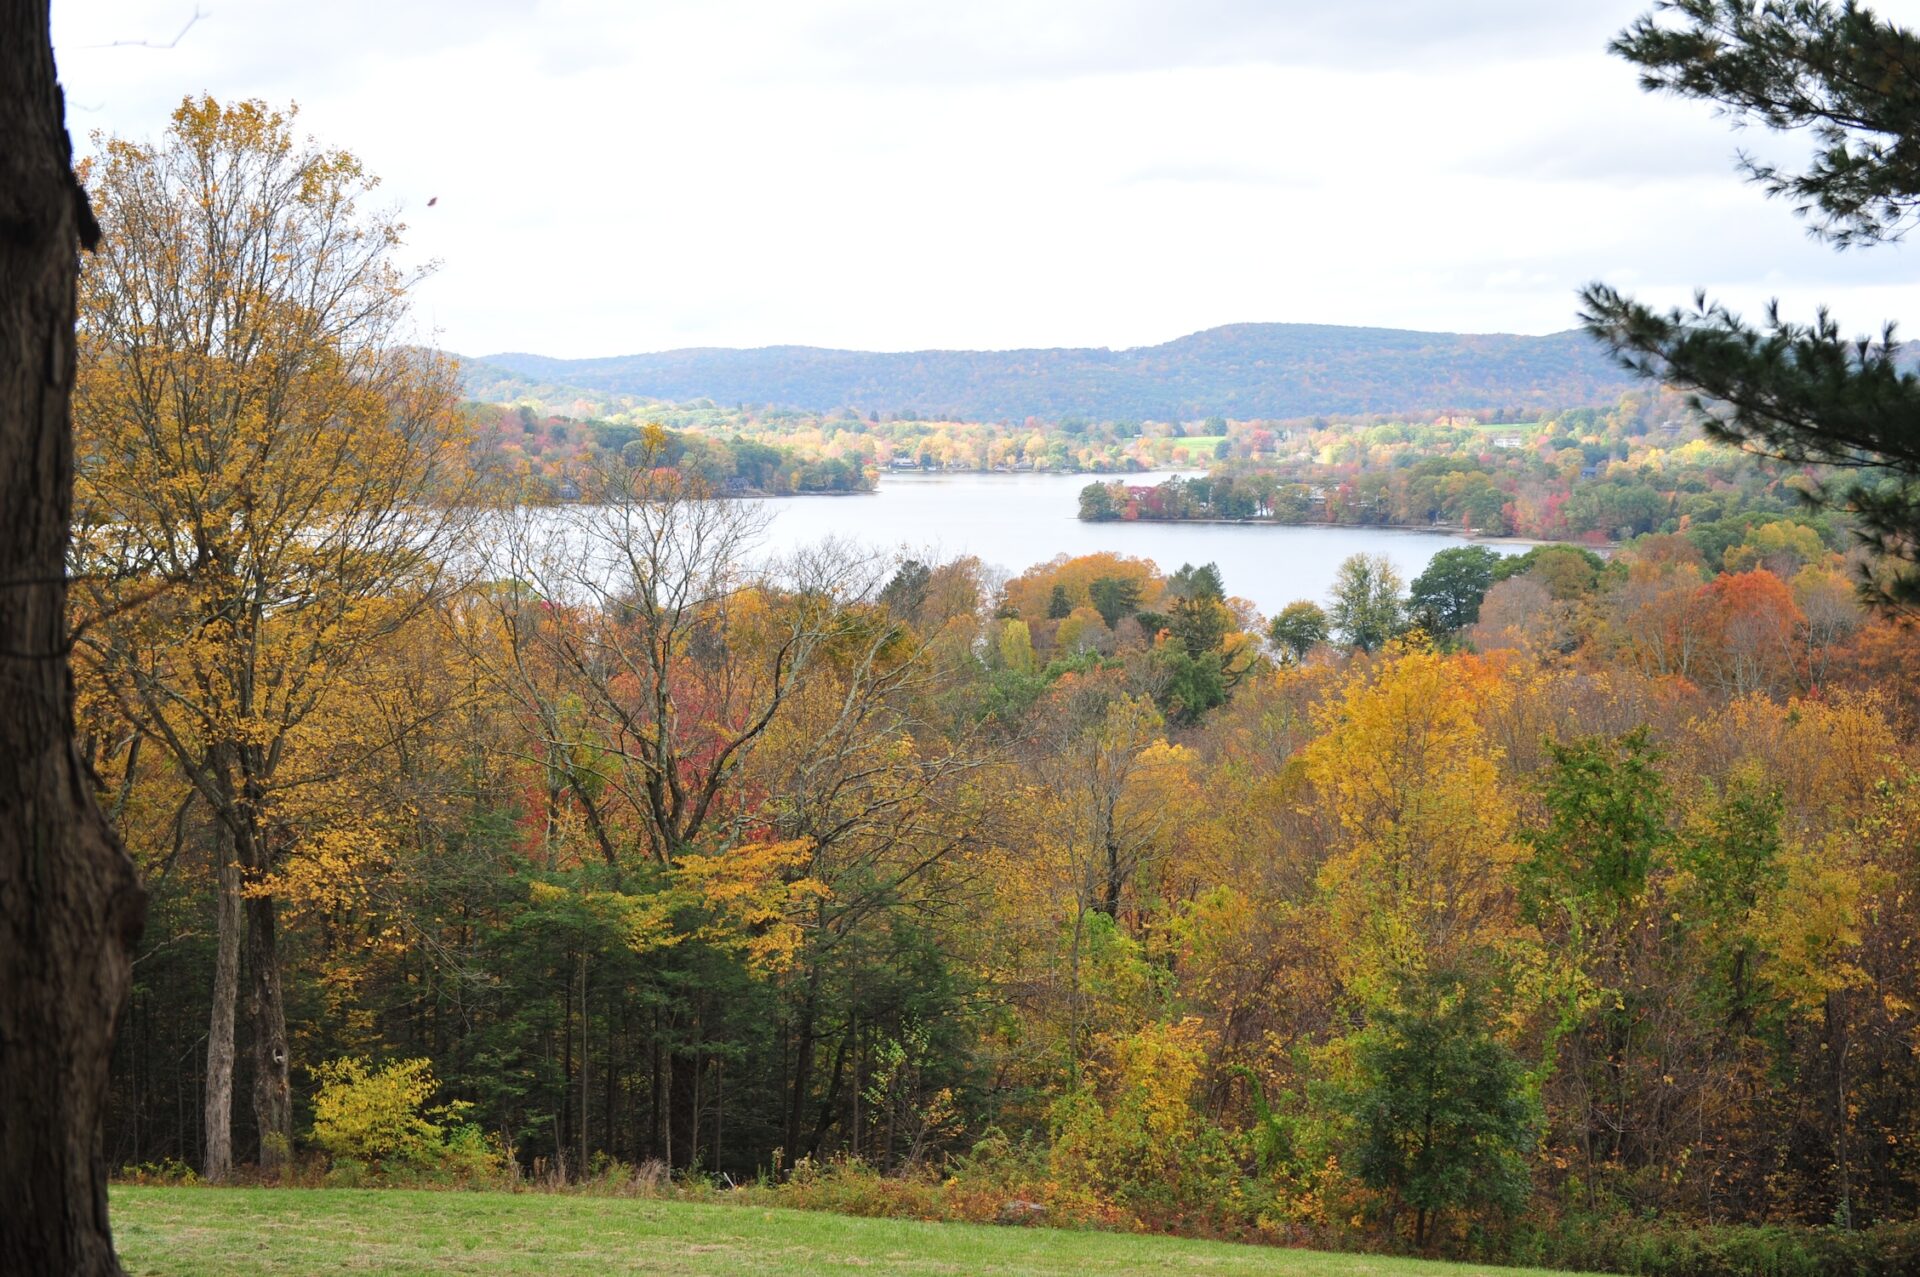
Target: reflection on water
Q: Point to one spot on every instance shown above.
(1016, 520)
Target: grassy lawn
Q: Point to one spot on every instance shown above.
(210, 1232)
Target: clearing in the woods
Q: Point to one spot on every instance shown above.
(209, 1232)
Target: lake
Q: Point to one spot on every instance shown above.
(1014, 521)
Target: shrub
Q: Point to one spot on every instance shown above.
(999, 1182)
(168, 1171)
(1136, 1139)
(372, 1122)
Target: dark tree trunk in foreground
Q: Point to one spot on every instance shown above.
(70, 906)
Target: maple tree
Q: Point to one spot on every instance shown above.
(267, 488)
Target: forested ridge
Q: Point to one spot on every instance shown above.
(1242, 370)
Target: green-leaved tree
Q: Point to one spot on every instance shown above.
(1368, 603)
(1446, 597)
(1300, 627)
(1441, 1110)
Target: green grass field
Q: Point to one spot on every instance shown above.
(213, 1232)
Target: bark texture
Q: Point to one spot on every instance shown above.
(266, 1012)
(220, 1050)
(70, 903)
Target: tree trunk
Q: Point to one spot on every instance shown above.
(802, 1067)
(656, 1094)
(226, 991)
(267, 1017)
(585, 1059)
(1837, 1048)
(563, 1120)
(830, 1105)
(70, 904)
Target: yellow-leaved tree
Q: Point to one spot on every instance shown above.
(269, 482)
(1420, 873)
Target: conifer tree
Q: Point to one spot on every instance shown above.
(1800, 392)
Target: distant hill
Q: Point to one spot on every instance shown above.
(1241, 370)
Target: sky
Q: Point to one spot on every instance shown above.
(612, 177)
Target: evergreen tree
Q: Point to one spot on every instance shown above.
(1114, 598)
(1203, 582)
(1800, 392)
(1443, 1119)
(907, 590)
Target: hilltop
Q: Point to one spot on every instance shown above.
(1274, 371)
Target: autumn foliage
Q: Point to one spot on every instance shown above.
(572, 840)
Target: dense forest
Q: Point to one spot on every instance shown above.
(1087, 888)
(1538, 907)
(1243, 370)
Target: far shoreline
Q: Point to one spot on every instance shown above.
(1438, 529)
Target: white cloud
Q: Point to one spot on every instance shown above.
(621, 177)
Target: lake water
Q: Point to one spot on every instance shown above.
(1014, 521)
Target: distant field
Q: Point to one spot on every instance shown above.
(224, 1232)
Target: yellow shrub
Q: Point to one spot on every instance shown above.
(376, 1117)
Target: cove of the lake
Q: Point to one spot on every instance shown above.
(1014, 521)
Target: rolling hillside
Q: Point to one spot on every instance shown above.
(1242, 370)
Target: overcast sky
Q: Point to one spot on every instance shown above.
(619, 177)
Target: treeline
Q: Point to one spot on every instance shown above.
(873, 443)
(536, 457)
(1067, 444)
(1777, 613)
(1578, 475)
